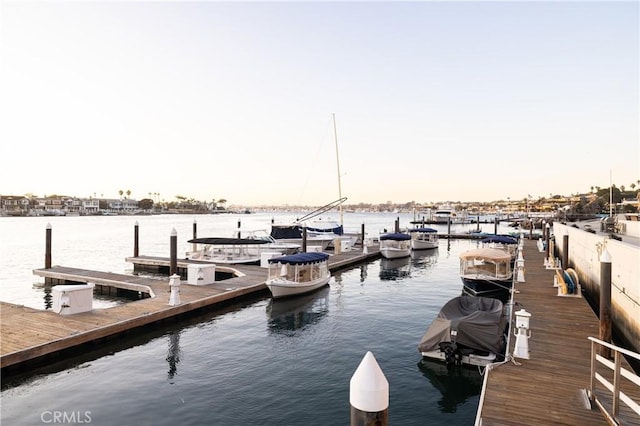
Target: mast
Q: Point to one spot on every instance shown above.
(335, 138)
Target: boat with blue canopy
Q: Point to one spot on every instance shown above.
(297, 273)
(395, 244)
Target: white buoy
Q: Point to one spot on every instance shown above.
(368, 393)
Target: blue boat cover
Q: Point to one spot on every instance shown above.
(398, 236)
(300, 258)
(504, 239)
(428, 230)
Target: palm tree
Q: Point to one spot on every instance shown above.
(121, 192)
(128, 193)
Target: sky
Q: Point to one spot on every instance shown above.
(433, 101)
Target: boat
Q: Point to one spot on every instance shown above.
(486, 271)
(294, 234)
(226, 250)
(297, 274)
(468, 330)
(395, 244)
(423, 238)
(271, 244)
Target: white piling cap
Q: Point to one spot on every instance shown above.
(174, 232)
(605, 257)
(369, 389)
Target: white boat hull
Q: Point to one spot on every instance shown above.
(283, 288)
(395, 253)
(423, 244)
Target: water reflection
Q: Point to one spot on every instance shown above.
(295, 313)
(395, 269)
(423, 259)
(173, 355)
(455, 384)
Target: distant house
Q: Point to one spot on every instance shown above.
(14, 205)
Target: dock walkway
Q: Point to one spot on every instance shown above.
(547, 388)
(30, 334)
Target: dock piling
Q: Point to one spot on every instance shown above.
(605, 302)
(136, 246)
(565, 250)
(369, 394)
(47, 249)
(195, 235)
(173, 261)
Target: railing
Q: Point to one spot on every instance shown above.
(618, 373)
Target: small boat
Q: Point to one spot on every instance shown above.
(271, 245)
(467, 330)
(486, 271)
(294, 233)
(297, 274)
(423, 238)
(226, 250)
(395, 244)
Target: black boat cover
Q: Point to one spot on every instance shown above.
(479, 322)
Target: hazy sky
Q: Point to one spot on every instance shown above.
(433, 101)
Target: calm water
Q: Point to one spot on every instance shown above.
(260, 362)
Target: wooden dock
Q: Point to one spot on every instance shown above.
(547, 389)
(30, 335)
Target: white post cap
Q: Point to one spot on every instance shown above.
(369, 388)
(605, 257)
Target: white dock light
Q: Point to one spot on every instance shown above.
(174, 284)
(522, 334)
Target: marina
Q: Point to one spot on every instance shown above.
(513, 393)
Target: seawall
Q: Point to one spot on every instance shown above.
(584, 250)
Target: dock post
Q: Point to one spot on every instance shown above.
(239, 225)
(304, 239)
(546, 231)
(136, 246)
(565, 250)
(173, 261)
(449, 226)
(195, 235)
(365, 249)
(47, 247)
(496, 221)
(369, 394)
(397, 227)
(605, 302)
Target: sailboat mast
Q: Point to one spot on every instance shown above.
(335, 138)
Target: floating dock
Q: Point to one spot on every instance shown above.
(31, 336)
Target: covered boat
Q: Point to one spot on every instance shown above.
(395, 244)
(423, 238)
(297, 273)
(226, 250)
(486, 271)
(468, 330)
